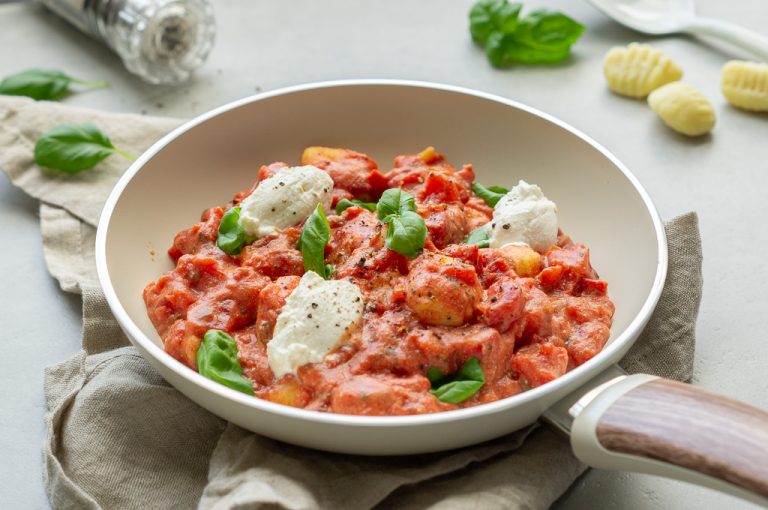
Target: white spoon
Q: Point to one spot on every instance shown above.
(670, 16)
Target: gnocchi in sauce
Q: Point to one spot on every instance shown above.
(510, 317)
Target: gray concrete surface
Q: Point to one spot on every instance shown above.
(268, 44)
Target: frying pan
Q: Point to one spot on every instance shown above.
(637, 422)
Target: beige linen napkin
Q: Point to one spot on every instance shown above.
(118, 436)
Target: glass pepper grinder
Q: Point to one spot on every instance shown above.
(162, 41)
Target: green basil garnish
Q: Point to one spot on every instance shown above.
(314, 237)
(394, 202)
(74, 148)
(406, 230)
(479, 236)
(541, 37)
(43, 84)
(406, 234)
(345, 204)
(435, 376)
(217, 360)
(491, 194)
(460, 386)
(231, 236)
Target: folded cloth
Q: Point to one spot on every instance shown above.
(118, 436)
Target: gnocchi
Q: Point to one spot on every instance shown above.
(638, 69)
(745, 85)
(683, 108)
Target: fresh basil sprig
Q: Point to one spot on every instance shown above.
(406, 230)
(312, 242)
(541, 37)
(43, 84)
(74, 148)
(460, 386)
(345, 204)
(491, 194)
(479, 236)
(217, 360)
(231, 236)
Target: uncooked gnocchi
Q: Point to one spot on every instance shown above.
(637, 70)
(745, 85)
(683, 108)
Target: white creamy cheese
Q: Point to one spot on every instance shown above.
(524, 215)
(316, 315)
(285, 199)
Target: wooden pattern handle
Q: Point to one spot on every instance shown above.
(691, 428)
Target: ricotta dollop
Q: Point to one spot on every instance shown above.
(285, 199)
(524, 215)
(316, 316)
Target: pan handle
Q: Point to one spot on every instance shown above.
(661, 427)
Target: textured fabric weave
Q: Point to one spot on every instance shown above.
(119, 437)
(666, 345)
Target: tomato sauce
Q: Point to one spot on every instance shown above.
(527, 317)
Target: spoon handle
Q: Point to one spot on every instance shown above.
(734, 34)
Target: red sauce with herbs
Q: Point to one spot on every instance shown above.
(527, 317)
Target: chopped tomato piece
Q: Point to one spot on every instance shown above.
(271, 301)
(550, 276)
(586, 341)
(204, 234)
(441, 187)
(446, 223)
(167, 300)
(590, 287)
(350, 170)
(468, 253)
(573, 259)
(385, 395)
(492, 265)
(540, 363)
(503, 304)
(275, 255)
(267, 171)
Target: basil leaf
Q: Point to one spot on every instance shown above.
(479, 236)
(549, 30)
(457, 391)
(314, 237)
(541, 37)
(471, 370)
(488, 16)
(394, 202)
(505, 50)
(491, 194)
(74, 148)
(42, 84)
(345, 204)
(435, 376)
(459, 387)
(406, 231)
(406, 234)
(231, 237)
(217, 360)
